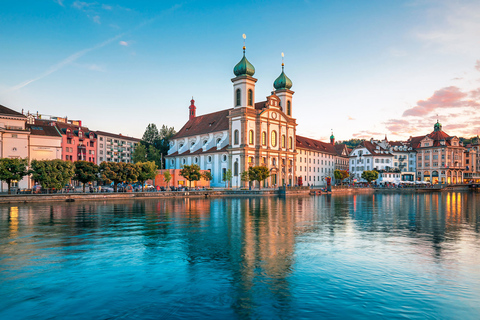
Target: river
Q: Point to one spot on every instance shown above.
(375, 256)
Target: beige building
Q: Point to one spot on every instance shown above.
(440, 157)
(19, 139)
(115, 147)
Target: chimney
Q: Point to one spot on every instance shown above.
(193, 109)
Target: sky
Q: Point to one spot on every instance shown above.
(364, 69)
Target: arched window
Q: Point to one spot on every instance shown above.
(264, 138)
(250, 97)
(235, 169)
(289, 108)
(237, 94)
(250, 137)
(290, 143)
(284, 141)
(274, 139)
(235, 137)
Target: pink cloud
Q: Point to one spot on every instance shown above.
(477, 65)
(449, 97)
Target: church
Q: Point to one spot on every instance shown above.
(251, 134)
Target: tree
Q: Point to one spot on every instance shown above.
(140, 153)
(52, 174)
(207, 175)
(352, 143)
(370, 175)
(258, 173)
(118, 172)
(85, 172)
(151, 135)
(167, 177)
(227, 177)
(146, 170)
(244, 176)
(154, 155)
(191, 173)
(13, 169)
(341, 174)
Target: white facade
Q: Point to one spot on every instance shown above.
(115, 148)
(314, 167)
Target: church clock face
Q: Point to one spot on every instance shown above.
(274, 115)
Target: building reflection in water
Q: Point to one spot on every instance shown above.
(248, 243)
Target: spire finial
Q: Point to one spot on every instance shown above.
(244, 37)
(283, 55)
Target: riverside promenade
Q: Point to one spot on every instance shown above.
(266, 192)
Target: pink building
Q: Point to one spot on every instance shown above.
(78, 143)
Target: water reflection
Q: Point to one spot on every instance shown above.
(243, 258)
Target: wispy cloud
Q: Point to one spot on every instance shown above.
(449, 97)
(350, 118)
(72, 58)
(123, 43)
(106, 7)
(96, 19)
(60, 2)
(477, 65)
(456, 28)
(65, 62)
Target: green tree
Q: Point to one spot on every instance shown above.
(191, 173)
(13, 169)
(140, 153)
(370, 175)
(258, 173)
(167, 177)
(207, 175)
(352, 143)
(245, 177)
(340, 174)
(85, 172)
(52, 174)
(151, 134)
(154, 154)
(118, 172)
(146, 170)
(227, 177)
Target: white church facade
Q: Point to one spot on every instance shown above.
(248, 134)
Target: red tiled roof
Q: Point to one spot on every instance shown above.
(436, 136)
(211, 122)
(315, 145)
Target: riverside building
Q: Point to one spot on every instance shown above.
(440, 157)
(115, 147)
(252, 133)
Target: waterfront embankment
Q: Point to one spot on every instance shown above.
(294, 191)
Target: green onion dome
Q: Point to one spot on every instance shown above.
(437, 126)
(282, 82)
(244, 67)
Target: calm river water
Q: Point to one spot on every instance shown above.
(357, 256)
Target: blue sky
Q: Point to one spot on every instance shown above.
(361, 68)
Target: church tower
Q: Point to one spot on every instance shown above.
(192, 110)
(244, 83)
(282, 87)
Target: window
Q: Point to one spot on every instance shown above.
(290, 143)
(235, 137)
(289, 108)
(238, 100)
(69, 141)
(264, 138)
(209, 159)
(274, 139)
(284, 141)
(250, 97)
(224, 157)
(101, 138)
(250, 137)
(235, 168)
